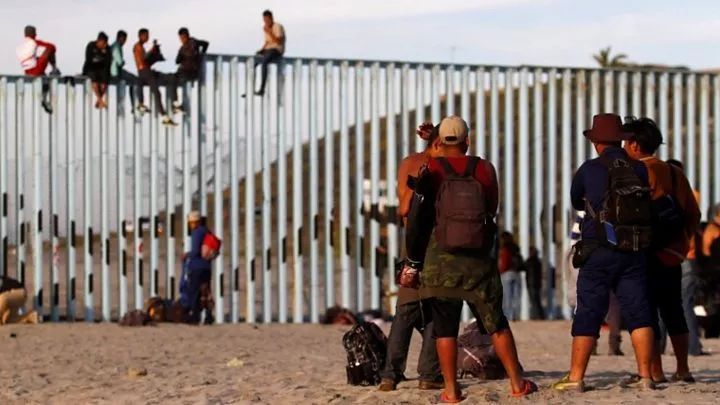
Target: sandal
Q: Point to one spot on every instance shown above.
(445, 400)
(528, 388)
(688, 378)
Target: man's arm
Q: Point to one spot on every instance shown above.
(202, 45)
(404, 192)
(577, 190)
(493, 191)
(687, 201)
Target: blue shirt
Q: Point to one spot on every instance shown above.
(194, 257)
(590, 183)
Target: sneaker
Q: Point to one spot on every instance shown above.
(142, 109)
(635, 381)
(387, 385)
(178, 108)
(55, 72)
(168, 121)
(564, 384)
(47, 106)
(260, 93)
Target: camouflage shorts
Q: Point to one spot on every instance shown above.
(474, 278)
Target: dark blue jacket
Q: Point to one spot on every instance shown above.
(194, 257)
(590, 183)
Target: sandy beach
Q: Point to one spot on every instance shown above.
(282, 364)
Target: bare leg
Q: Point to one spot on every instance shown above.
(447, 354)
(98, 94)
(644, 345)
(504, 343)
(680, 347)
(582, 347)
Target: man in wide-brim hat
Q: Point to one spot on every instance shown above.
(606, 269)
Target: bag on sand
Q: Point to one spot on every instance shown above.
(210, 248)
(365, 345)
(461, 216)
(476, 355)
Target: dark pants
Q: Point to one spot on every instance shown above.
(666, 293)
(609, 270)
(130, 79)
(198, 280)
(153, 79)
(409, 317)
(179, 79)
(536, 309)
(689, 288)
(267, 56)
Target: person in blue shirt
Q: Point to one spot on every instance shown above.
(195, 286)
(606, 269)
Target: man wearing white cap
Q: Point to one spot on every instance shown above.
(458, 263)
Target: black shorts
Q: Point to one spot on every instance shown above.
(666, 296)
(446, 315)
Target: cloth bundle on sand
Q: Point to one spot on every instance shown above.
(477, 357)
(156, 310)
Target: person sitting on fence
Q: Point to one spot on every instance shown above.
(97, 67)
(117, 64)
(146, 76)
(34, 56)
(12, 302)
(273, 48)
(195, 294)
(189, 59)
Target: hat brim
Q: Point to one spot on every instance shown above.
(617, 137)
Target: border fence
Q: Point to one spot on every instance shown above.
(300, 183)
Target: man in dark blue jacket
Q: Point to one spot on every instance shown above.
(197, 271)
(604, 268)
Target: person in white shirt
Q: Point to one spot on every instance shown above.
(273, 48)
(34, 56)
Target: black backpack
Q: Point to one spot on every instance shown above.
(669, 216)
(625, 219)
(460, 214)
(365, 346)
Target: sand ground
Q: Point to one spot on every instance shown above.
(281, 364)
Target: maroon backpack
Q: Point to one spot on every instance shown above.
(460, 213)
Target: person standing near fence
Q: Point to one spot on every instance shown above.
(611, 254)
(147, 76)
(678, 218)
(459, 264)
(117, 66)
(533, 278)
(273, 49)
(35, 56)
(410, 313)
(510, 263)
(97, 67)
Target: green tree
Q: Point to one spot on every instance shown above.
(605, 59)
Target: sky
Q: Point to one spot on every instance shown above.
(509, 32)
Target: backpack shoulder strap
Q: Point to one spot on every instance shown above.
(471, 166)
(447, 167)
